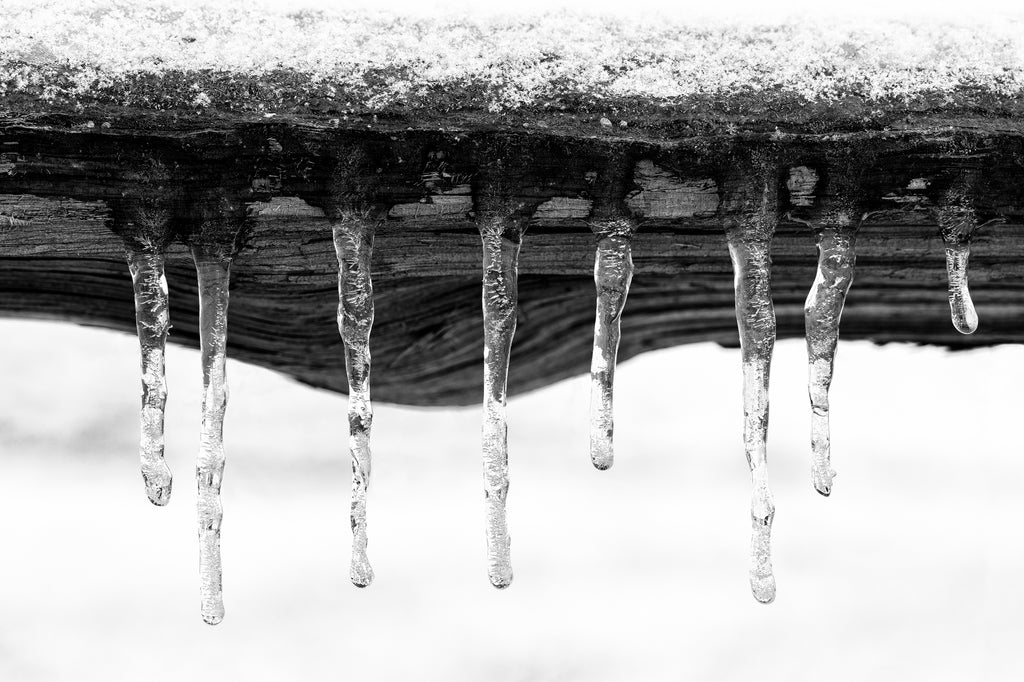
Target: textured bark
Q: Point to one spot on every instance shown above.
(70, 194)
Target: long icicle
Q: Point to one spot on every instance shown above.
(213, 268)
(353, 242)
(501, 239)
(750, 252)
(822, 311)
(613, 272)
(153, 322)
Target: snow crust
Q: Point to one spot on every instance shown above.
(382, 59)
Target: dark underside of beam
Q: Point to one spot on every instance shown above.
(62, 184)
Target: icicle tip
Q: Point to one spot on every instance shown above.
(361, 575)
(823, 481)
(763, 588)
(762, 513)
(602, 458)
(213, 616)
(501, 580)
(158, 489)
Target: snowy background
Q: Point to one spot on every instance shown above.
(910, 571)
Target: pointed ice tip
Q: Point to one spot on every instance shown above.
(763, 588)
(602, 454)
(213, 616)
(967, 324)
(361, 575)
(159, 495)
(502, 581)
(158, 480)
(823, 481)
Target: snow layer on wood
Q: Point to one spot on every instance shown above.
(111, 50)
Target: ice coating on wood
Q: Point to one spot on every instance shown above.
(822, 312)
(213, 270)
(750, 252)
(613, 272)
(501, 239)
(353, 241)
(153, 322)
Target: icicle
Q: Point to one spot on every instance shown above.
(144, 224)
(213, 269)
(501, 239)
(822, 311)
(957, 222)
(152, 321)
(749, 249)
(961, 307)
(613, 272)
(353, 241)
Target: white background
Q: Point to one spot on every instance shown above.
(910, 571)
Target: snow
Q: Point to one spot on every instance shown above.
(638, 572)
(381, 59)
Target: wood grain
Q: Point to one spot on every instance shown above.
(64, 190)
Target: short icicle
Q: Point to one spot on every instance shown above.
(152, 320)
(961, 307)
(501, 239)
(353, 241)
(822, 312)
(958, 221)
(213, 267)
(613, 272)
(750, 251)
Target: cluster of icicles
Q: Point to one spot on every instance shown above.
(749, 248)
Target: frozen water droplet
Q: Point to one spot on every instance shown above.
(613, 272)
(961, 307)
(501, 239)
(213, 270)
(353, 241)
(755, 317)
(822, 312)
(152, 322)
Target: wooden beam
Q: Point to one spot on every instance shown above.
(62, 184)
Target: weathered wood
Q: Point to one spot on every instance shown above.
(62, 184)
